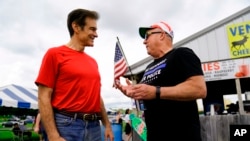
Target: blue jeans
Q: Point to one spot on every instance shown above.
(77, 129)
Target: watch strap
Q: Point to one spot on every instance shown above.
(158, 92)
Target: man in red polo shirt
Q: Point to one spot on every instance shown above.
(69, 85)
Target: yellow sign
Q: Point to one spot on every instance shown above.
(239, 39)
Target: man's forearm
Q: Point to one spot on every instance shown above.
(48, 121)
(46, 113)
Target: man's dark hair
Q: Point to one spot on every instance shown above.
(127, 111)
(79, 16)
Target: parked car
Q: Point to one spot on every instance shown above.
(28, 120)
(10, 123)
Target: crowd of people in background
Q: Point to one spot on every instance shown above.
(128, 128)
(127, 123)
(20, 130)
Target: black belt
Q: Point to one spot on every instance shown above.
(83, 116)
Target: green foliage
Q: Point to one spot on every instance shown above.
(17, 111)
(7, 135)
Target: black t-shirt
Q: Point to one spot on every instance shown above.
(167, 119)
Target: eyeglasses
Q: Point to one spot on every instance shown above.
(150, 33)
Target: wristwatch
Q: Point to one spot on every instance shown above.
(158, 92)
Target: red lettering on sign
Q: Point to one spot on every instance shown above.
(212, 66)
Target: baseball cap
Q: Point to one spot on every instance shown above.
(162, 25)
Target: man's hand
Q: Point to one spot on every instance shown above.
(142, 91)
(137, 91)
(36, 129)
(123, 88)
(109, 134)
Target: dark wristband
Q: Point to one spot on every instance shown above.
(158, 92)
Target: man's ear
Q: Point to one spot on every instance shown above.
(75, 27)
(163, 36)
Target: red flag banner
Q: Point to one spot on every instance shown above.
(120, 67)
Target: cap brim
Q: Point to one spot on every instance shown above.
(143, 30)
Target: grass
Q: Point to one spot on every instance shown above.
(6, 134)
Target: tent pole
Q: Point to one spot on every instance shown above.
(238, 89)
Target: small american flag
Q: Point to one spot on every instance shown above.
(120, 67)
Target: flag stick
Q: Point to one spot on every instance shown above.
(131, 74)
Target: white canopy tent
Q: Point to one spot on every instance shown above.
(18, 96)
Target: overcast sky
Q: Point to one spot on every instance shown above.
(30, 27)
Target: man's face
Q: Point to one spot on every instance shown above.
(151, 41)
(88, 33)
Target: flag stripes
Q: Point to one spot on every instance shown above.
(120, 64)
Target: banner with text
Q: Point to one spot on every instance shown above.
(228, 69)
